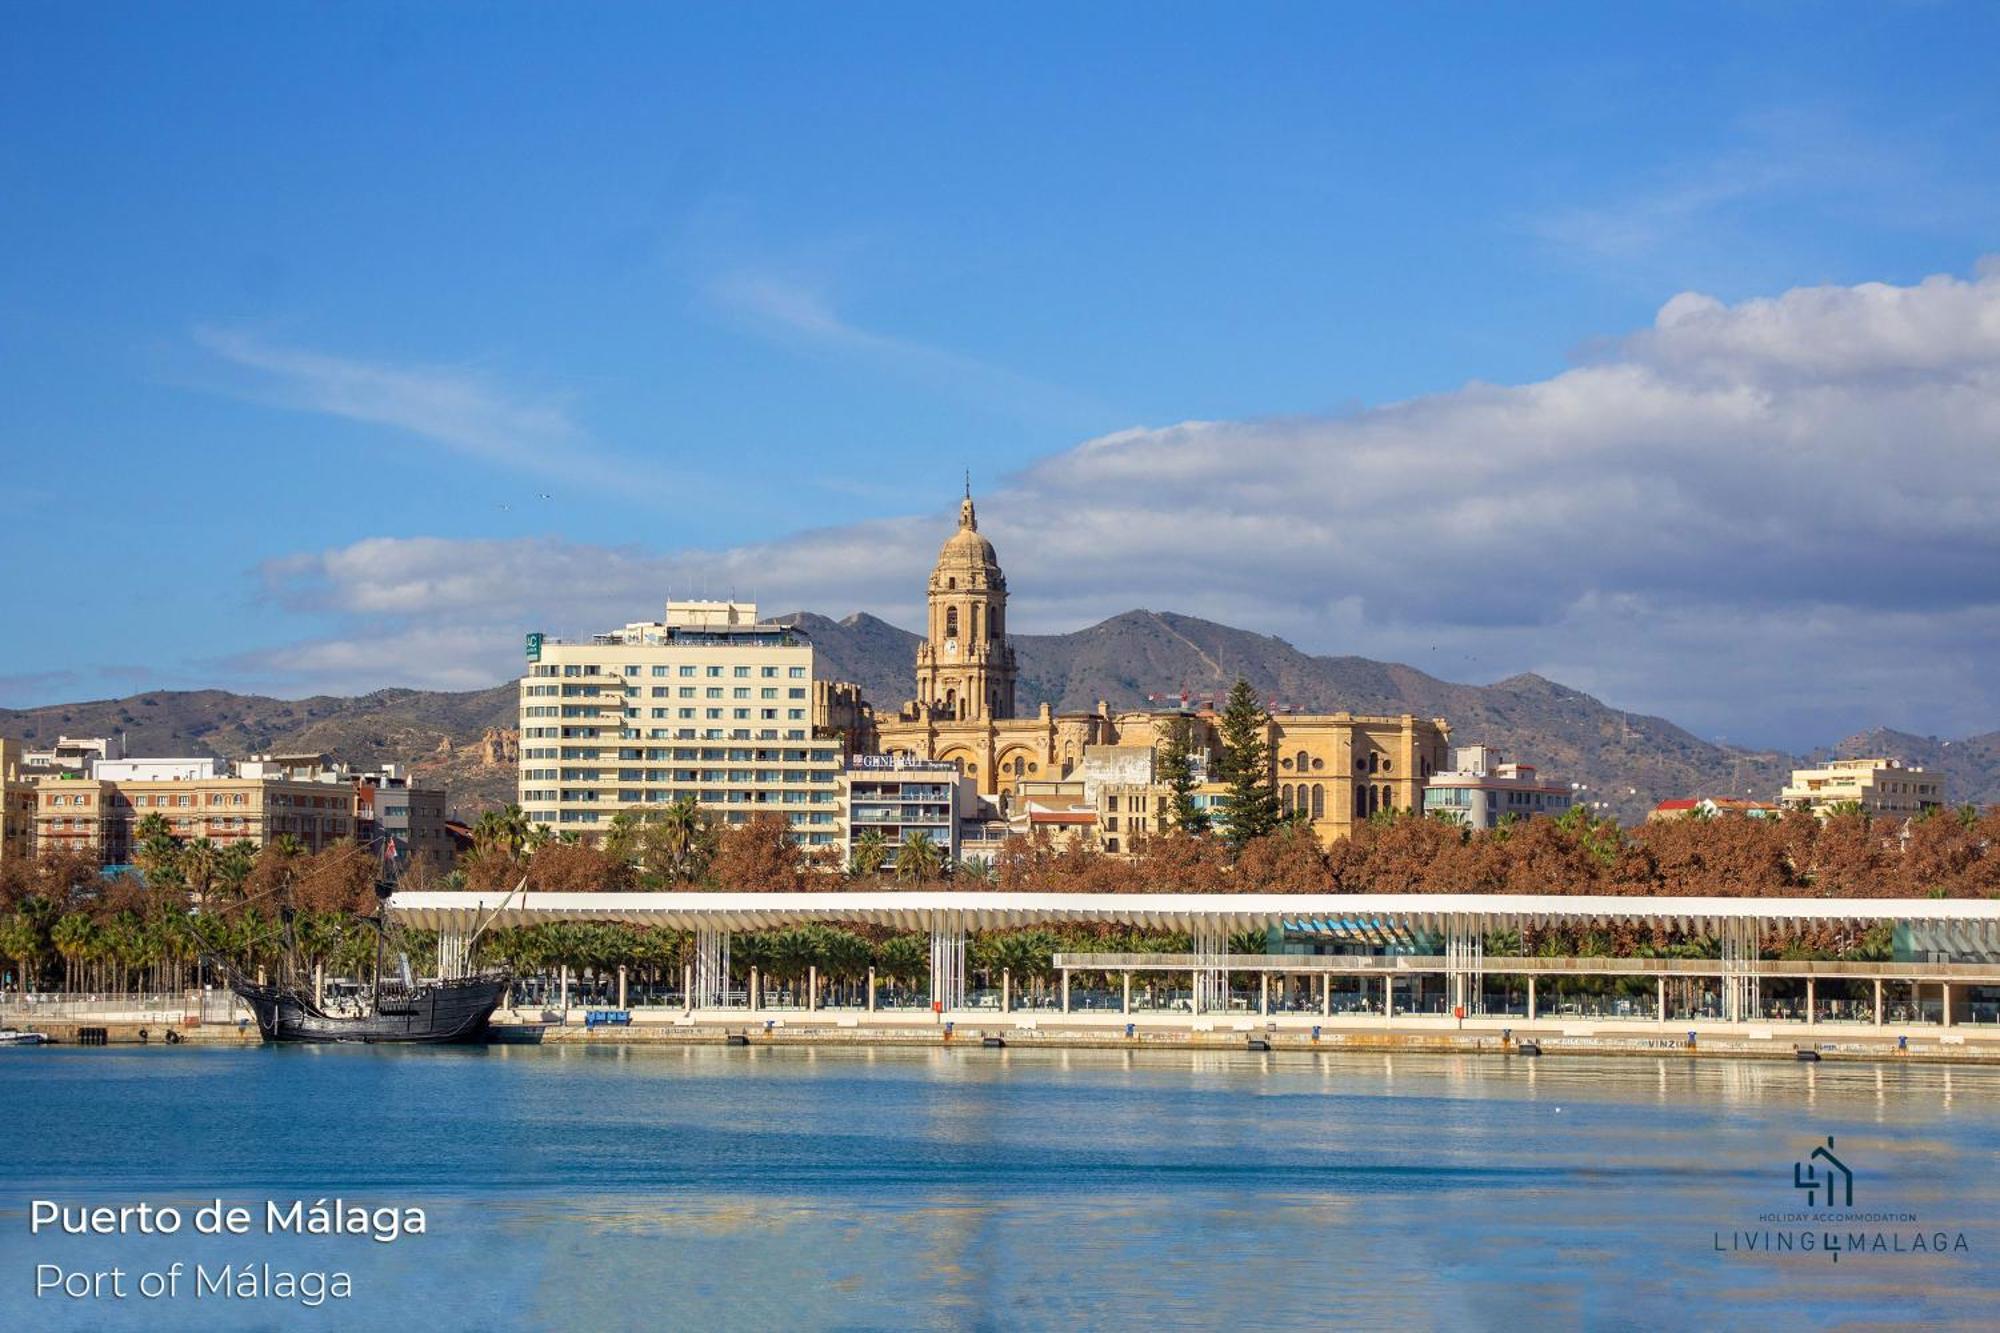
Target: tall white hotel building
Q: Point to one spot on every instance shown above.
(709, 703)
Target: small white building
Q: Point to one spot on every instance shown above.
(1481, 790)
(188, 769)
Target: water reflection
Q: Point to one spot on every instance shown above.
(882, 1186)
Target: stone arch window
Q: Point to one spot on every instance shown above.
(975, 623)
(1318, 764)
(1361, 803)
(1374, 760)
(1285, 799)
(951, 584)
(1020, 766)
(1303, 760)
(1286, 763)
(1374, 797)
(951, 703)
(951, 622)
(1385, 763)
(1319, 801)
(1424, 767)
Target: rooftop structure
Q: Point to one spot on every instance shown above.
(1480, 789)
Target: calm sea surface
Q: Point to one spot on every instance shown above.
(788, 1188)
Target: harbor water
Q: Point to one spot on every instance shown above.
(707, 1187)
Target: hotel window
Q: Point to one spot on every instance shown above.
(742, 671)
(796, 673)
(687, 671)
(659, 671)
(768, 672)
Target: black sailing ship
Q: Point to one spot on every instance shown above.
(398, 1009)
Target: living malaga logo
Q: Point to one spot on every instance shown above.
(1830, 1224)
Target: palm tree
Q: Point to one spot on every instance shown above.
(73, 938)
(871, 849)
(904, 958)
(506, 828)
(200, 866)
(920, 859)
(678, 842)
(21, 940)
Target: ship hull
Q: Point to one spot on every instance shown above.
(447, 1011)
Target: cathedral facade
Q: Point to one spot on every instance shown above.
(1332, 769)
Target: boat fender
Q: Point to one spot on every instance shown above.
(143, 1038)
(173, 1037)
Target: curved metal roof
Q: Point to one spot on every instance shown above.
(1168, 911)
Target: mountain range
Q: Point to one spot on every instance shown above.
(467, 739)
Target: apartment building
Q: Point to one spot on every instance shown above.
(102, 814)
(1880, 786)
(898, 797)
(709, 703)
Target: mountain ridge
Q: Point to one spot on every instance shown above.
(1628, 760)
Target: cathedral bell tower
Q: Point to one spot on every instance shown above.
(965, 669)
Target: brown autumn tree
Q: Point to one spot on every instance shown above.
(574, 867)
(1728, 856)
(490, 867)
(1945, 853)
(1289, 860)
(1179, 862)
(1846, 855)
(339, 878)
(758, 856)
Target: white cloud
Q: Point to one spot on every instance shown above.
(802, 315)
(1766, 518)
(458, 409)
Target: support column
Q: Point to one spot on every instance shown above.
(621, 986)
(1389, 997)
(1531, 999)
(1812, 1002)
(687, 987)
(1878, 1002)
(756, 990)
(812, 987)
(710, 971)
(454, 954)
(1264, 994)
(1065, 994)
(1006, 990)
(1125, 1000)
(1660, 1003)
(1211, 946)
(1326, 995)
(1944, 1002)
(948, 967)
(871, 990)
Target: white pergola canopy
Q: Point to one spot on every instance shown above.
(1340, 914)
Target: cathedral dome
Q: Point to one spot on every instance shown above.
(966, 546)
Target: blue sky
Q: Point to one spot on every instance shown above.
(314, 317)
